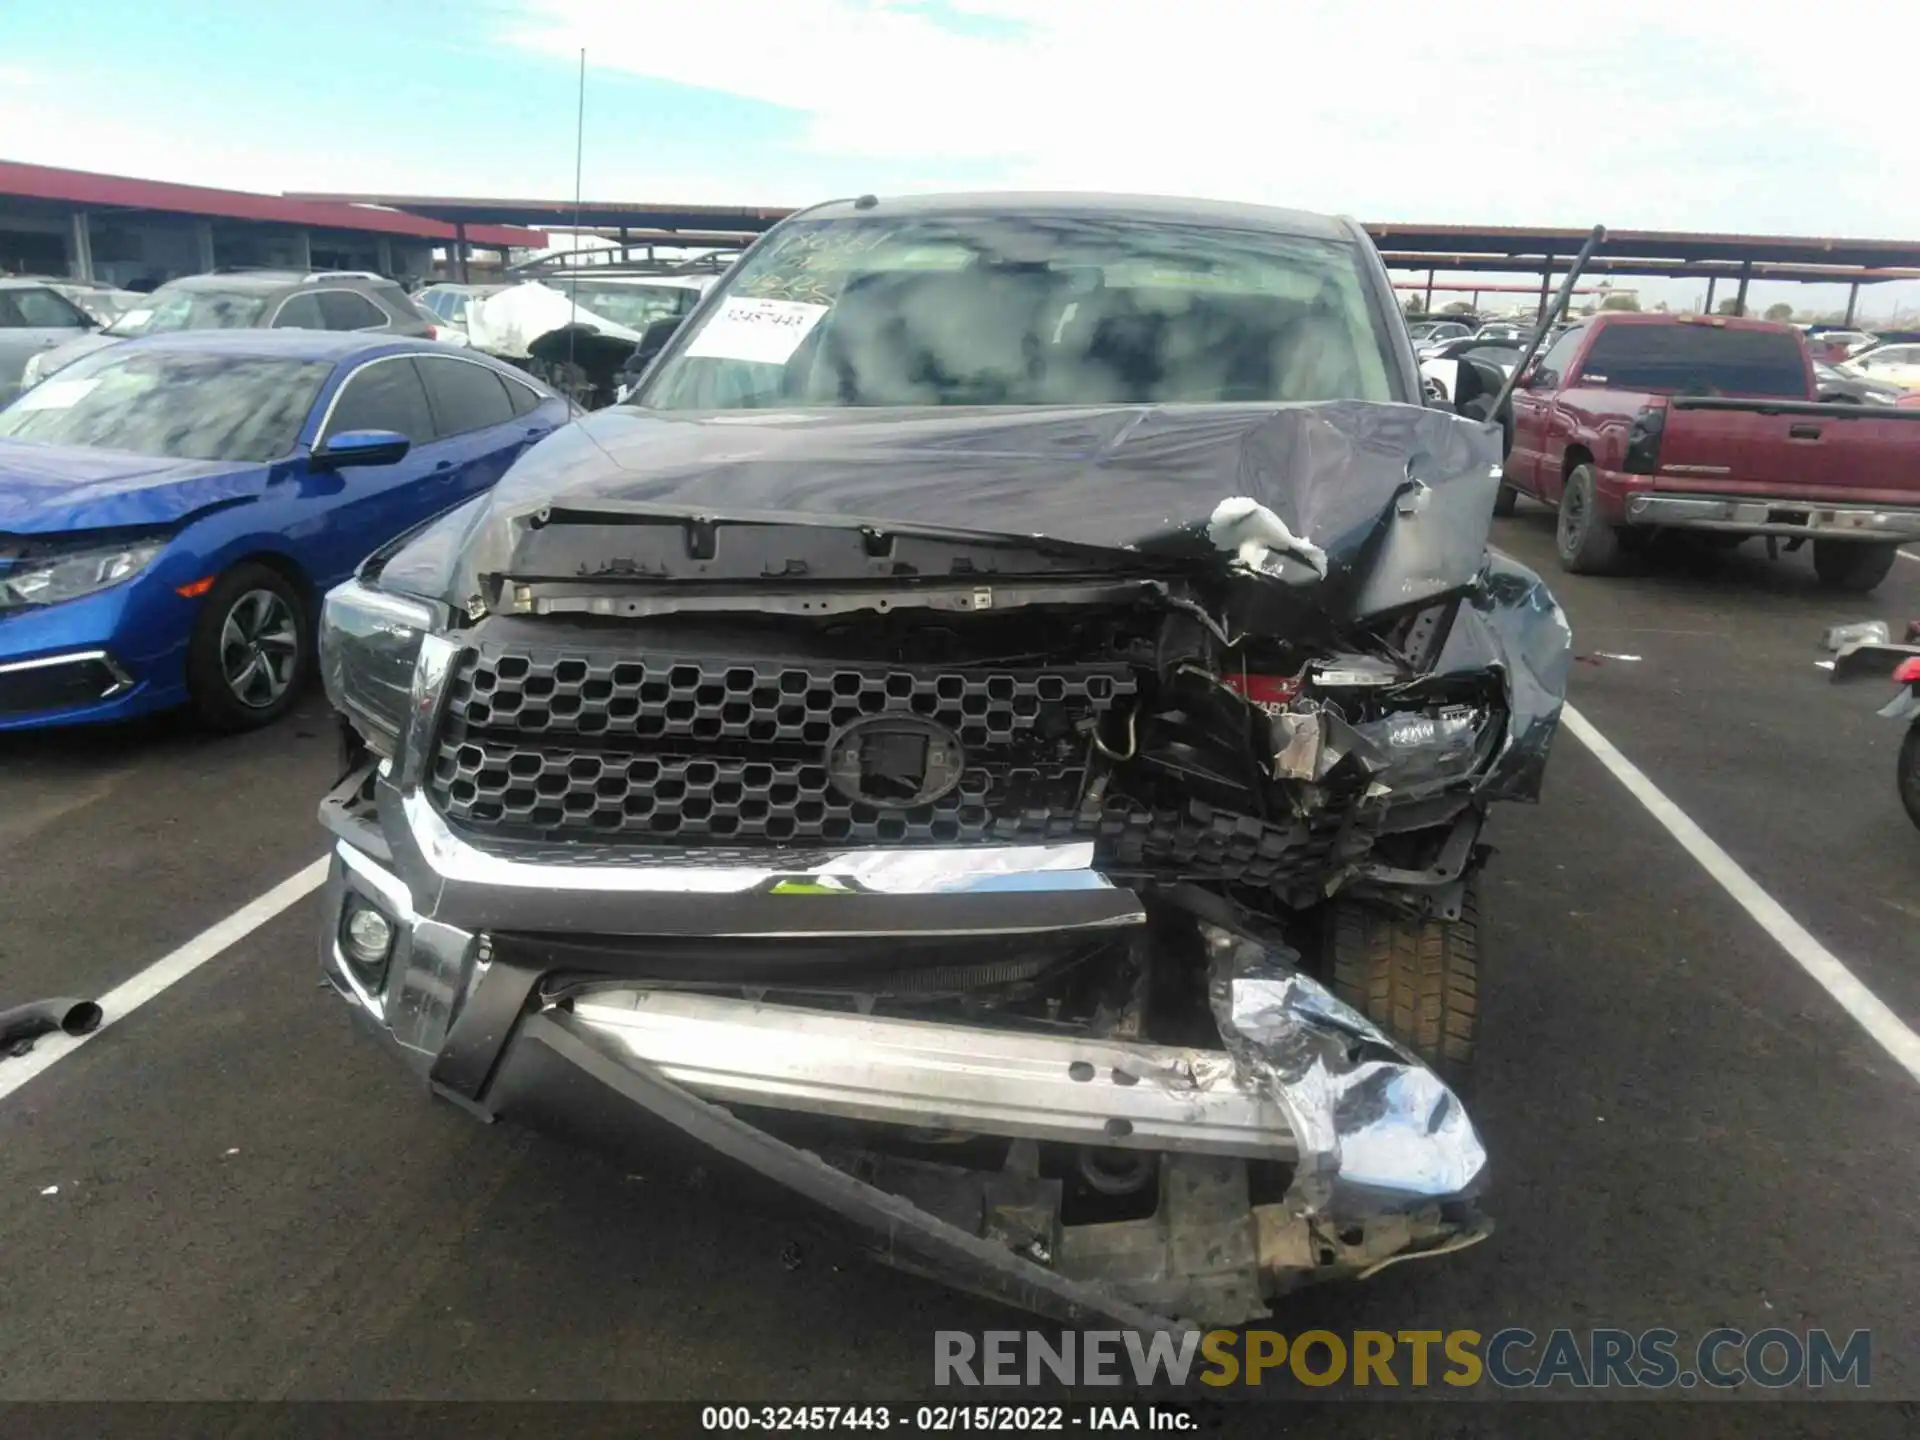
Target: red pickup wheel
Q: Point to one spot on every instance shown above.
(1852, 565)
(1586, 543)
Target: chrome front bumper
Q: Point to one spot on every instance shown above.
(1803, 518)
(445, 898)
(1299, 1076)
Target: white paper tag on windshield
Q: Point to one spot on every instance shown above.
(766, 332)
(134, 317)
(55, 395)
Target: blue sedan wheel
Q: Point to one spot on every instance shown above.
(252, 649)
(259, 644)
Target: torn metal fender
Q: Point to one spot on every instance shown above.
(1511, 623)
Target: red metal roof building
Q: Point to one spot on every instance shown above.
(121, 229)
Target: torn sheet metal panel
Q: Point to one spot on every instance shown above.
(1372, 1125)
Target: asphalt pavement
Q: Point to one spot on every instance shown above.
(230, 1195)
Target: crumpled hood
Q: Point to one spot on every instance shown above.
(46, 489)
(1397, 497)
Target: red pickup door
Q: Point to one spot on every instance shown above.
(1637, 423)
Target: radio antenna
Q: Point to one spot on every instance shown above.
(579, 157)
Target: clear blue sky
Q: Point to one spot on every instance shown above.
(1658, 116)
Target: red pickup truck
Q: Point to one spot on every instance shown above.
(1637, 423)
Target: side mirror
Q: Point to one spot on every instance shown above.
(1476, 386)
(360, 447)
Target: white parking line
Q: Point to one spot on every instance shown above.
(169, 970)
(1905, 556)
(1827, 970)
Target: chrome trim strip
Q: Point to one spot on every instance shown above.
(75, 657)
(955, 1077)
(973, 870)
(1754, 516)
(382, 881)
(430, 671)
(121, 680)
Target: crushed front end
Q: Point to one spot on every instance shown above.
(986, 890)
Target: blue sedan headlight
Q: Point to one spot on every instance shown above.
(67, 572)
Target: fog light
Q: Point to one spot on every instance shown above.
(366, 935)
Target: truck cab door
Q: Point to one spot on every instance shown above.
(1533, 462)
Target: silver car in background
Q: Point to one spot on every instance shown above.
(34, 318)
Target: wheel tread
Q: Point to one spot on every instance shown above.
(1419, 980)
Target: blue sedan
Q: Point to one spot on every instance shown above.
(172, 509)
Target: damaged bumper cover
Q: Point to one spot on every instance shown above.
(523, 986)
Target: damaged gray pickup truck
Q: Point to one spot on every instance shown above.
(994, 735)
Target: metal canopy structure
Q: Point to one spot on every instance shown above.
(1487, 249)
(733, 221)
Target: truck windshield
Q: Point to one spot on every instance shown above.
(1694, 359)
(1030, 310)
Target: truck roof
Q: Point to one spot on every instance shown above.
(1718, 322)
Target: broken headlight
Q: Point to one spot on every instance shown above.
(369, 641)
(1419, 746)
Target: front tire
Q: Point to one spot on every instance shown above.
(1851, 566)
(1909, 776)
(252, 649)
(1417, 979)
(1586, 544)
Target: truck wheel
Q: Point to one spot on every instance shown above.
(1417, 979)
(1850, 565)
(1586, 543)
(252, 649)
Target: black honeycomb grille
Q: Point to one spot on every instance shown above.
(733, 751)
(764, 702)
(729, 756)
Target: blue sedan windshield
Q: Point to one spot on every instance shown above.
(172, 405)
